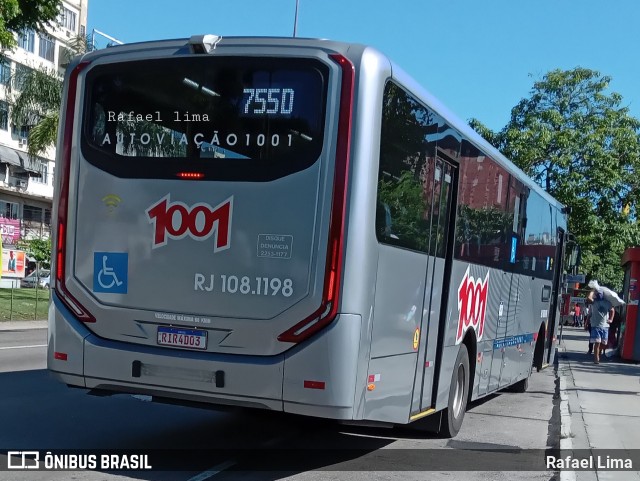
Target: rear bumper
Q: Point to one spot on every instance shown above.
(266, 382)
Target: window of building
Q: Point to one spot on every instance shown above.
(9, 210)
(4, 115)
(5, 70)
(68, 18)
(23, 131)
(27, 40)
(47, 47)
(31, 213)
(43, 168)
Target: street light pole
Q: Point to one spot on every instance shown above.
(295, 21)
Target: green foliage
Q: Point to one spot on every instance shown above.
(488, 225)
(582, 146)
(37, 105)
(16, 15)
(37, 101)
(23, 304)
(9, 10)
(38, 249)
(404, 196)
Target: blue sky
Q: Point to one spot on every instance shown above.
(478, 57)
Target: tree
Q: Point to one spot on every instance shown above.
(37, 105)
(38, 249)
(583, 147)
(16, 15)
(38, 99)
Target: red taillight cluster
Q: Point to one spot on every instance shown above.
(328, 309)
(63, 200)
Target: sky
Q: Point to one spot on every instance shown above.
(478, 57)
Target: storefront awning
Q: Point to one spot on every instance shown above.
(27, 164)
(9, 156)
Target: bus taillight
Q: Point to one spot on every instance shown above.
(63, 201)
(190, 175)
(328, 309)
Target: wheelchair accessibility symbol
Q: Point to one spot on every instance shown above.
(110, 272)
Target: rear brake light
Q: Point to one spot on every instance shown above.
(63, 201)
(328, 309)
(190, 175)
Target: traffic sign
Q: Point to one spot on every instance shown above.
(575, 278)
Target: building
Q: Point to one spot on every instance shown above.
(26, 185)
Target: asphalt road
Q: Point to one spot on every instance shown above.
(37, 412)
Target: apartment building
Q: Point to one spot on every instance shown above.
(26, 185)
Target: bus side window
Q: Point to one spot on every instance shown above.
(383, 222)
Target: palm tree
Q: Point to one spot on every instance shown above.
(38, 97)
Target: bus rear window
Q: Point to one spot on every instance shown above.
(228, 112)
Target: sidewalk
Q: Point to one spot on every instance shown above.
(600, 406)
(22, 325)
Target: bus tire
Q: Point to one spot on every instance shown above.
(458, 395)
(521, 386)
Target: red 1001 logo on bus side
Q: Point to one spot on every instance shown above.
(472, 305)
(175, 220)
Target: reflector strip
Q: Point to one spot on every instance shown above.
(422, 414)
(60, 356)
(314, 384)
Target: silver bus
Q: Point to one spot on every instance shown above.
(293, 225)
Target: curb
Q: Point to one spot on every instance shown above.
(22, 325)
(566, 441)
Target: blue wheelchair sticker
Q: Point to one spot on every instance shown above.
(110, 272)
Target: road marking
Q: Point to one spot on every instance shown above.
(23, 347)
(209, 473)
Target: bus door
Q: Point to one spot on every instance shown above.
(552, 325)
(439, 263)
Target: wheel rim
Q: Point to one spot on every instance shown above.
(459, 394)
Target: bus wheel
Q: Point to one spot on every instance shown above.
(458, 395)
(521, 386)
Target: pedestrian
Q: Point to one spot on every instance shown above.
(601, 316)
(587, 323)
(578, 318)
(572, 315)
(613, 329)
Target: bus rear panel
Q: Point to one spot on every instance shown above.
(200, 222)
